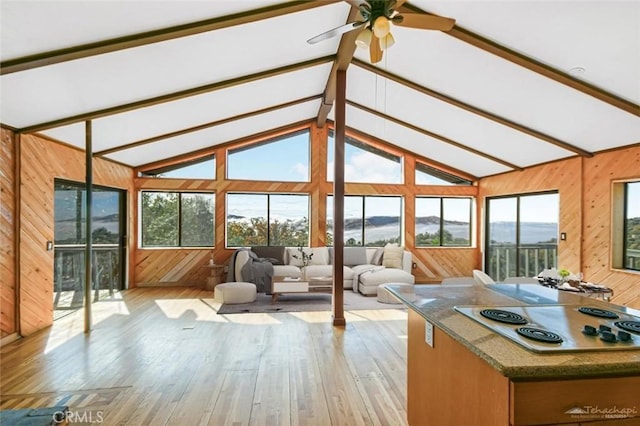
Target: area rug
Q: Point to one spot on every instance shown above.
(305, 302)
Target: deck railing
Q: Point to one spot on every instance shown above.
(69, 268)
(533, 259)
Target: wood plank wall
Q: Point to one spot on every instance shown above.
(585, 192)
(185, 266)
(600, 173)
(7, 234)
(43, 160)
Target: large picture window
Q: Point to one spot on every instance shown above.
(631, 246)
(522, 237)
(267, 219)
(368, 220)
(285, 159)
(175, 219)
(202, 168)
(443, 222)
(365, 163)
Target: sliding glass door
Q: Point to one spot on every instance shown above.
(522, 235)
(108, 237)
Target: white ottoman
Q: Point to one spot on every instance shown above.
(369, 281)
(235, 292)
(407, 290)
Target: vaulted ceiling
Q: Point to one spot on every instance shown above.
(513, 84)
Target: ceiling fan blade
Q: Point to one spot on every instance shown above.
(336, 32)
(375, 53)
(426, 22)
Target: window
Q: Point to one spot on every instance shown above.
(522, 237)
(427, 175)
(285, 159)
(267, 219)
(175, 219)
(443, 222)
(202, 168)
(368, 220)
(364, 163)
(631, 245)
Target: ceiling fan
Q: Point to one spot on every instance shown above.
(375, 29)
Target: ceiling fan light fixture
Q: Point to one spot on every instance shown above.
(386, 42)
(364, 39)
(381, 27)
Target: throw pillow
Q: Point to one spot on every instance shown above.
(377, 256)
(354, 256)
(274, 253)
(392, 257)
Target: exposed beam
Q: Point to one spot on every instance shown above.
(433, 135)
(205, 126)
(155, 36)
(536, 66)
(176, 95)
(470, 108)
(346, 50)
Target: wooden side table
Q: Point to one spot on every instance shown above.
(216, 276)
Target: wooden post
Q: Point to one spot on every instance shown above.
(88, 222)
(338, 201)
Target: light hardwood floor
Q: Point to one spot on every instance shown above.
(163, 356)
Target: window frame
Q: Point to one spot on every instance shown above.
(441, 224)
(268, 209)
(364, 213)
(180, 245)
(619, 226)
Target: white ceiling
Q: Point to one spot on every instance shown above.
(603, 37)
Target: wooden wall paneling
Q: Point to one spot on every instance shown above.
(41, 162)
(8, 220)
(563, 176)
(600, 172)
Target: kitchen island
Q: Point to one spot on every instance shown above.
(461, 372)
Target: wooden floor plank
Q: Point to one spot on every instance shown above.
(164, 356)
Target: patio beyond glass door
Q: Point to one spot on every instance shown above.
(522, 235)
(108, 237)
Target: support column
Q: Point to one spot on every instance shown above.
(88, 222)
(338, 201)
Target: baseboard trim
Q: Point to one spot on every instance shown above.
(9, 338)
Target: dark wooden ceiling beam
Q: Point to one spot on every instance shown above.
(433, 135)
(176, 95)
(535, 66)
(205, 126)
(470, 108)
(346, 50)
(155, 36)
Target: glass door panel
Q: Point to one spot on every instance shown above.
(108, 224)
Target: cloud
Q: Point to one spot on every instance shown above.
(302, 170)
(368, 167)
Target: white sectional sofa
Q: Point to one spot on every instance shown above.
(364, 267)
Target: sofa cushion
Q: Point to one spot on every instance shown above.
(270, 252)
(369, 281)
(326, 271)
(319, 256)
(355, 256)
(286, 271)
(392, 257)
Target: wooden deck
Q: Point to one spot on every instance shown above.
(162, 356)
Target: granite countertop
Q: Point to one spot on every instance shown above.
(435, 303)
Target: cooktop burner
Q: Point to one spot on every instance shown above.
(632, 326)
(560, 328)
(503, 316)
(596, 312)
(539, 334)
